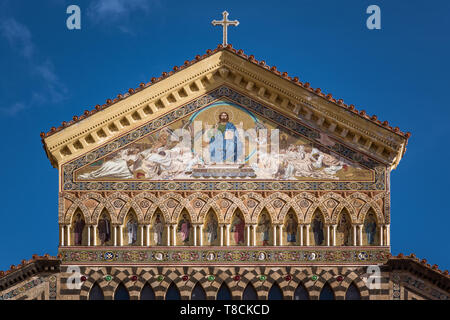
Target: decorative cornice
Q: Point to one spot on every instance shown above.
(142, 105)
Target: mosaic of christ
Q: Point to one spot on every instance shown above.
(223, 141)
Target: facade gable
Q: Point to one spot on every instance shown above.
(224, 66)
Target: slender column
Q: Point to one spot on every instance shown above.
(115, 236)
(274, 235)
(328, 235)
(301, 234)
(142, 235)
(254, 235)
(334, 234)
(388, 235)
(221, 235)
(281, 234)
(201, 235)
(62, 234)
(381, 235)
(195, 235)
(89, 235)
(307, 234)
(248, 236)
(354, 235)
(360, 234)
(68, 235)
(147, 229)
(121, 236)
(174, 239)
(168, 235)
(95, 235)
(228, 234)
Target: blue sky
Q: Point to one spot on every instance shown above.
(400, 73)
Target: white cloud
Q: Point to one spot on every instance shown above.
(13, 109)
(50, 90)
(119, 12)
(114, 9)
(18, 36)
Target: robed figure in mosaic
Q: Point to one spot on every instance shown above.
(211, 230)
(238, 227)
(158, 229)
(291, 229)
(264, 227)
(370, 227)
(184, 228)
(224, 144)
(317, 228)
(78, 230)
(132, 231)
(104, 229)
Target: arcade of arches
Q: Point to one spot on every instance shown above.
(276, 220)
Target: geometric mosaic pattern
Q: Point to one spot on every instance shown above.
(313, 279)
(225, 256)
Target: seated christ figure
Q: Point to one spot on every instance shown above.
(224, 144)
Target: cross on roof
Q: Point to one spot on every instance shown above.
(225, 23)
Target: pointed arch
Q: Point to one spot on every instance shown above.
(352, 293)
(77, 205)
(198, 293)
(174, 211)
(130, 205)
(172, 292)
(301, 293)
(327, 293)
(148, 204)
(121, 293)
(313, 209)
(249, 293)
(96, 293)
(147, 292)
(224, 292)
(234, 203)
(275, 292)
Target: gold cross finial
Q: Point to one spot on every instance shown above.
(225, 23)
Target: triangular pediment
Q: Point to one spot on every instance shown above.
(196, 79)
(185, 149)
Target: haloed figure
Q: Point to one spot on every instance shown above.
(371, 228)
(78, 230)
(184, 227)
(225, 145)
(158, 228)
(291, 229)
(211, 230)
(265, 228)
(317, 228)
(132, 231)
(104, 230)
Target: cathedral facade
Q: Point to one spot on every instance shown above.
(224, 179)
